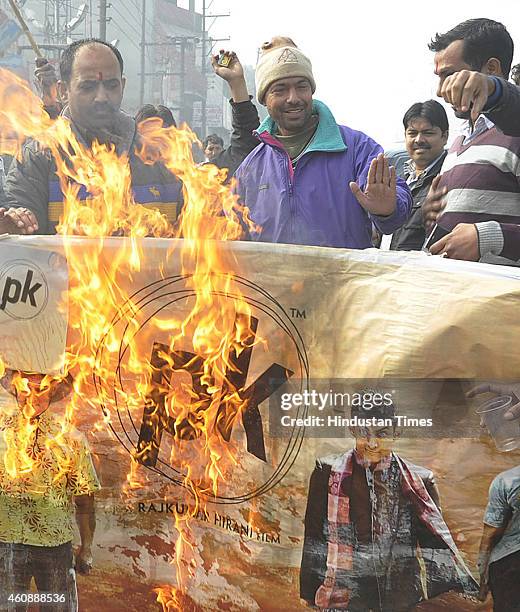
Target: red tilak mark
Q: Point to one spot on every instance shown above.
(100, 76)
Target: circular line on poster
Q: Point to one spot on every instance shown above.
(165, 293)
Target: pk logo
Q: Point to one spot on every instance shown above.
(178, 373)
(165, 363)
(23, 290)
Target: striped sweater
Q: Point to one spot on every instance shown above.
(483, 181)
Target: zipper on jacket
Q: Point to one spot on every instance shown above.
(290, 183)
(271, 141)
(290, 191)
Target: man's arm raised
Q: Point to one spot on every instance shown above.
(233, 74)
(245, 116)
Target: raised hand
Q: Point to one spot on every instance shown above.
(45, 77)
(380, 195)
(233, 74)
(45, 73)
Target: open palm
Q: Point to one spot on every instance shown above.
(380, 195)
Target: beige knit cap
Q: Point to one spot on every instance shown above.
(281, 63)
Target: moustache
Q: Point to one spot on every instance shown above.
(104, 108)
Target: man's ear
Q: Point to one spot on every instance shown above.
(63, 92)
(493, 67)
(123, 83)
(445, 136)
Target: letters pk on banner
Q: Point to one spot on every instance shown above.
(33, 316)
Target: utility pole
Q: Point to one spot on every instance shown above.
(183, 80)
(204, 61)
(103, 19)
(183, 42)
(203, 109)
(143, 54)
(55, 16)
(57, 30)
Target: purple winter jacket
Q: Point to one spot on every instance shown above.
(313, 204)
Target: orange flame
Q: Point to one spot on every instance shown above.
(217, 326)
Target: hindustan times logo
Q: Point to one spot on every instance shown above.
(332, 399)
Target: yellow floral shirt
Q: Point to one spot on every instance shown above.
(37, 485)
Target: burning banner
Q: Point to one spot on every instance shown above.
(176, 444)
(193, 364)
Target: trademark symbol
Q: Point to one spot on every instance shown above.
(296, 313)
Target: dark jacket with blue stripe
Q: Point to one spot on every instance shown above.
(32, 182)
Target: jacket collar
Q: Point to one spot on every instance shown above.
(123, 135)
(327, 137)
(432, 169)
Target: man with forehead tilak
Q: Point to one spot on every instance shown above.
(91, 87)
(46, 476)
(375, 537)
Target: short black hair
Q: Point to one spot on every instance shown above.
(483, 39)
(163, 112)
(430, 110)
(214, 139)
(69, 54)
(515, 73)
